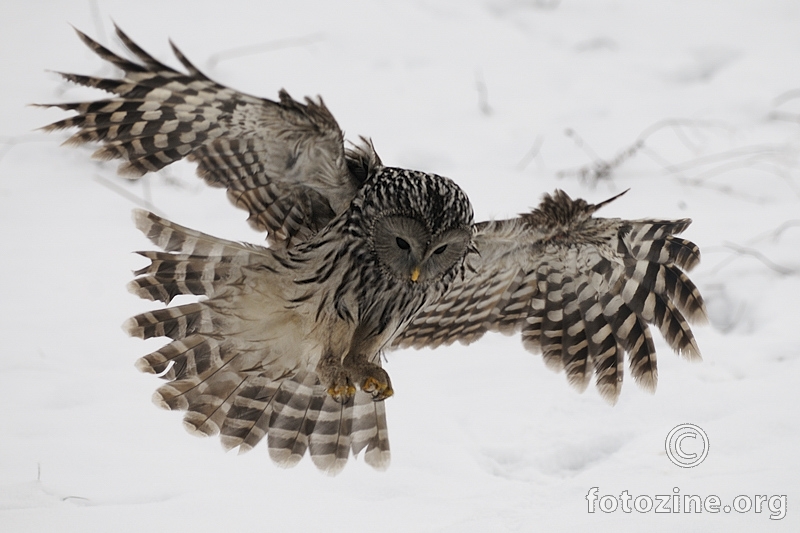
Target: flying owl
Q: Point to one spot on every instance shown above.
(285, 340)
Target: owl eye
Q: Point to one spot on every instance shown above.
(402, 243)
(440, 249)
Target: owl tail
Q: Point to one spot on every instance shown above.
(295, 414)
(220, 379)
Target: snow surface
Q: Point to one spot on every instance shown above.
(509, 97)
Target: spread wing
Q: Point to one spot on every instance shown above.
(581, 290)
(284, 161)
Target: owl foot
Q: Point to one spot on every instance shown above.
(342, 393)
(375, 381)
(340, 380)
(337, 381)
(379, 391)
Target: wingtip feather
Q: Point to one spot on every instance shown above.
(144, 366)
(284, 458)
(378, 459)
(132, 328)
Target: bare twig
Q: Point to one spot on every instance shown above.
(277, 44)
(775, 234)
(679, 126)
(600, 169)
(776, 159)
(785, 97)
(483, 93)
(767, 157)
(783, 115)
(743, 251)
(146, 192)
(81, 498)
(760, 149)
(7, 143)
(580, 143)
(531, 154)
(721, 188)
(141, 202)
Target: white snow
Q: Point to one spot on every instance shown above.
(484, 438)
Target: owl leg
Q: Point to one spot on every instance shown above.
(336, 378)
(340, 377)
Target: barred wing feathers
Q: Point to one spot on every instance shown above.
(284, 162)
(581, 290)
(214, 369)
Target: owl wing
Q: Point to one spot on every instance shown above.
(284, 162)
(581, 290)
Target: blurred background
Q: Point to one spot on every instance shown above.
(693, 105)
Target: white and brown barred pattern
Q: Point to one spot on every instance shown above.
(581, 291)
(207, 366)
(284, 162)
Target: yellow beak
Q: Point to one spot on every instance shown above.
(415, 274)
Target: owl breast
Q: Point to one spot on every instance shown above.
(395, 250)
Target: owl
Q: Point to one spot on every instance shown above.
(284, 341)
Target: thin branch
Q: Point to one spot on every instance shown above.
(762, 149)
(776, 234)
(531, 154)
(743, 251)
(146, 203)
(600, 169)
(147, 193)
(80, 498)
(483, 94)
(762, 157)
(785, 97)
(580, 143)
(679, 126)
(7, 143)
(783, 115)
(252, 49)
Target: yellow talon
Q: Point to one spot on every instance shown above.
(372, 384)
(342, 390)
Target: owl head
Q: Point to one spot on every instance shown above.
(420, 225)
